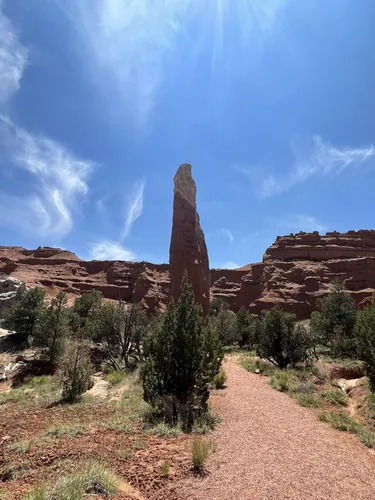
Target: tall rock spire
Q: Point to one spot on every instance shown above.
(188, 251)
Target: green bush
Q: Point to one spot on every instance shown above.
(365, 337)
(366, 436)
(75, 371)
(24, 315)
(283, 341)
(335, 397)
(220, 379)
(181, 359)
(334, 323)
(247, 327)
(253, 365)
(200, 450)
(283, 381)
(51, 329)
(224, 321)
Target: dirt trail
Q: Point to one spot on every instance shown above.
(268, 447)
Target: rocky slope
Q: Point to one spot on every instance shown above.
(295, 271)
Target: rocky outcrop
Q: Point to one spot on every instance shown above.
(295, 272)
(188, 251)
(9, 288)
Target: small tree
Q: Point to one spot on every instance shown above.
(181, 358)
(224, 321)
(365, 337)
(121, 330)
(75, 370)
(51, 328)
(334, 323)
(24, 314)
(247, 327)
(281, 340)
(85, 315)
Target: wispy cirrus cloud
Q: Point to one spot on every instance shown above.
(125, 45)
(319, 159)
(135, 206)
(110, 250)
(57, 181)
(228, 234)
(295, 223)
(13, 58)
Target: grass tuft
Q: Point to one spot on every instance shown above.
(94, 479)
(164, 469)
(253, 364)
(309, 400)
(71, 430)
(166, 431)
(220, 379)
(200, 451)
(115, 377)
(283, 381)
(19, 446)
(335, 397)
(366, 436)
(340, 421)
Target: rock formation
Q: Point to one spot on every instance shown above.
(9, 288)
(188, 251)
(296, 270)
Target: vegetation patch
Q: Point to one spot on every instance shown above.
(201, 449)
(283, 381)
(335, 397)
(94, 479)
(309, 400)
(220, 379)
(115, 377)
(340, 421)
(70, 430)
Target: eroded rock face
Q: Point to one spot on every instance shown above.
(188, 251)
(9, 287)
(295, 272)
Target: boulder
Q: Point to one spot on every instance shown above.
(188, 251)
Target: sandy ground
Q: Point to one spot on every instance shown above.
(268, 447)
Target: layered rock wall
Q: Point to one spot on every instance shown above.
(295, 271)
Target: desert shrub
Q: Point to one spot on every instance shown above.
(365, 338)
(75, 370)
(335, 397)
(281, 340)
(164, 469)
(224, 321)
(70, 430)
(201, 449)
(339, 420)
(85, 315)
(220, 379)
(334, 323)
(94, 479)
(247, 327)
(182, 356)
(309, 400)
(122, 328)
(51, 329)
(164, 430)
(26, 311)
(283, 381)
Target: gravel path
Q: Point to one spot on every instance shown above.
(269, 447)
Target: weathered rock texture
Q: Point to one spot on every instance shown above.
(188, 251)
(9, 288)
(295, 271)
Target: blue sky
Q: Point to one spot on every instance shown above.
(271, 101)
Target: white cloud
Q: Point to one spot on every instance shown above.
(295, 223)
(135, 206)
(110, 250)
(57, 180)
(13, 58)
(229, 265)
(318, 159)
(124, 44)
(228, 234)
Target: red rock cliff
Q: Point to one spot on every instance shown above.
(295, 271)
